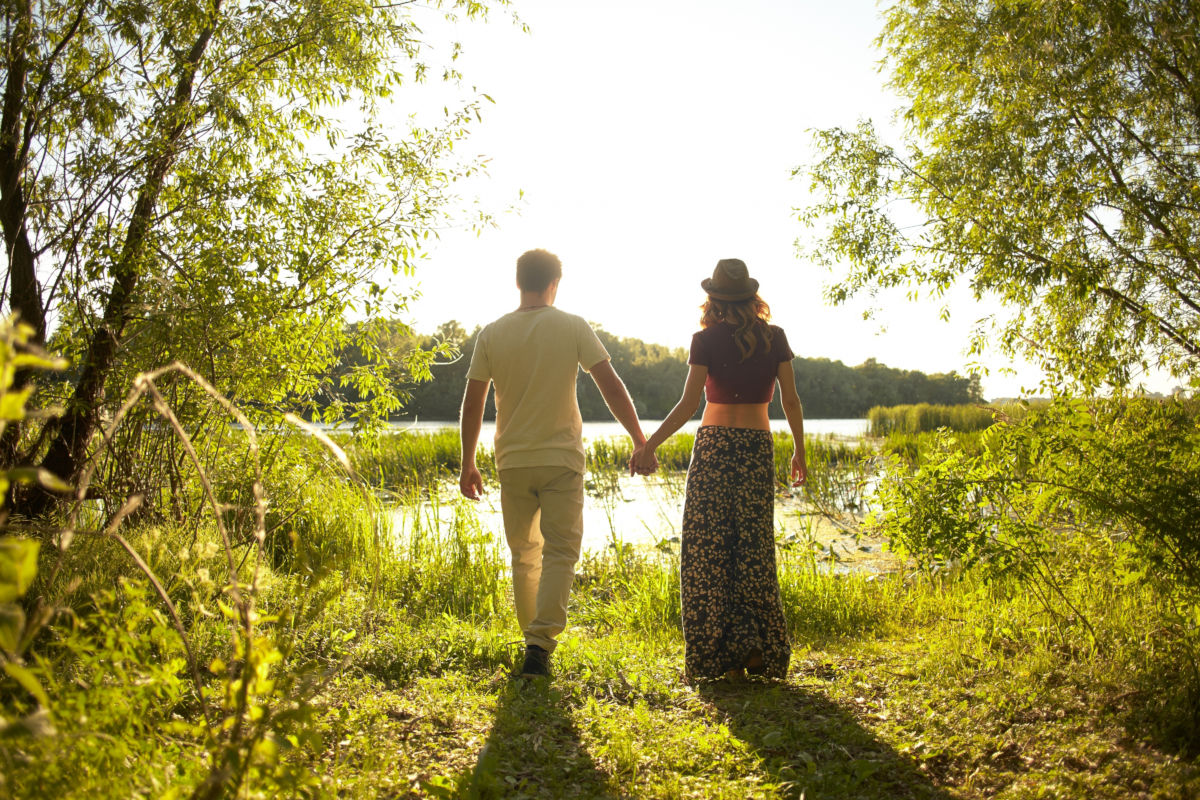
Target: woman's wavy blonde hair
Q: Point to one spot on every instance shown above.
(749, 318)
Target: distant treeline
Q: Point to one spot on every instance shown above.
(654, 375)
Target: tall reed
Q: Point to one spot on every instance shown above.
(627, 589)
(443, 560)
(613, 453)
(405, 459)
(923, 417)
(839, 475)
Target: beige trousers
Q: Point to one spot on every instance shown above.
(543, 522)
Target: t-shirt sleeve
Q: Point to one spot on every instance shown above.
(779, 346)
(591, 351)
(699, 353)
(481, 366)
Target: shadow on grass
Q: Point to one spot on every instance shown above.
(533, 750)
(813, 747)
(1163, 705)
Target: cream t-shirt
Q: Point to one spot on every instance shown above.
(533, 357)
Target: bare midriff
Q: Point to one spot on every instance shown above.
(737, 415)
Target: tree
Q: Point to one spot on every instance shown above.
(654, 375)
(1051, 160)
(212, 182)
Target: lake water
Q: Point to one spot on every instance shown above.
(850, 428)
(644, 511)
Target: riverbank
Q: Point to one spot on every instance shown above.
(911, 714)
(898, 688)
(373, 665)
(390, 678)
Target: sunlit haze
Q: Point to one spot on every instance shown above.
(649, 140)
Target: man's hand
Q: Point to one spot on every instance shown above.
(470, 482)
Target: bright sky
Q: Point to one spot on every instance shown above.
(653, 137)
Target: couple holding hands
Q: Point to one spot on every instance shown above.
(733, 620)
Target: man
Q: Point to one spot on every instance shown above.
(532, 355)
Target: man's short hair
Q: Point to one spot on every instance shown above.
(537, 269)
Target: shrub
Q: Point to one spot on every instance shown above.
(1123, 470)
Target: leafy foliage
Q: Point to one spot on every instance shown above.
(19, 555)
(1049, 161)
(218, 184)
(137, 655)
(1122, 472)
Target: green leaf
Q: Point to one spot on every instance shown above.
(12, 405)
(28, 682)
(18, 566)
(41, 476)
(12, 625)
(32, 361)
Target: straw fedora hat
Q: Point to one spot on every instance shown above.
(730, 281)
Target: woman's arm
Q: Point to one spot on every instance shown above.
(795, 417)
(693, 391)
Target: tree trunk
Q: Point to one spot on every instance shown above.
(71, 435)
(25, 295)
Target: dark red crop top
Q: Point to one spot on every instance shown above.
(730, 379)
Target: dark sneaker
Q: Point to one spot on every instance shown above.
(537, 662)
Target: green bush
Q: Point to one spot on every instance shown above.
(19, 554)
(913, 448)
(1126, 471)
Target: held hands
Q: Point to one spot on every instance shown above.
(643, 461)
(799, 469)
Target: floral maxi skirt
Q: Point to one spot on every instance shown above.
(728, 584)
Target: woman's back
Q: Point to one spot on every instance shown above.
(739, 388)
(732, 377)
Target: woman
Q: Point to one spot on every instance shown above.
(732, 613)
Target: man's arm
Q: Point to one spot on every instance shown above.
(470, 482)
(616, 396)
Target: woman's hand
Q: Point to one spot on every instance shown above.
(799, 469)
(643, 461)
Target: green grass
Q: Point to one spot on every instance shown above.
(911, 688)
(947, 691)
(395, 639)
